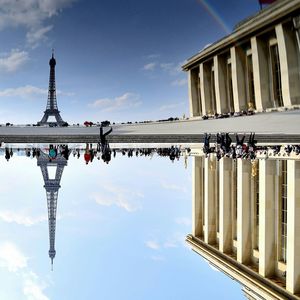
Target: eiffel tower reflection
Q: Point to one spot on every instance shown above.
(51, 186)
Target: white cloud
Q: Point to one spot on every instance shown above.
(174, 241)
(30, 14)
(33, 288)
(183, 221)
(171, 68)
(152, 245)
(119, 196)
(29, 92)
(11, 62)
(149, 67)
(35, 36)
(23, 91)
(123, 102)
(11, 257)
(172, 106)
(179, 82)
(21, 219)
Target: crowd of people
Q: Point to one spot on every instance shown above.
(98, 151)
(248, 112)
(225, 147)
(106, 154)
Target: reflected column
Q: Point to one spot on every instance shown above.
(225, 233)
(243, 211)
(209, 200)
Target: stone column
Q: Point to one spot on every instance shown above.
(197, 217)
(203, 89)
(238, 59)
(193, 93)
(209, 201)
(293, 227)
(288, 57)
(260, 74)
(220, 85)
(225, 184)
(205, 84)
(243, 211)
(267, 250)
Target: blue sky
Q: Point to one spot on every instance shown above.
(116, 60)
(121, 227)
(120, 233)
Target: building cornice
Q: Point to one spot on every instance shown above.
(256, 23)
(241, 273)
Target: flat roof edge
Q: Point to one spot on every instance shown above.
(267, 16)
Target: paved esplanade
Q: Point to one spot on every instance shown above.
(269, 127)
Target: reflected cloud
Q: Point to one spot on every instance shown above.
(152, 245)
(15, 261)
(172, 186)
(33, 287)
(176, 240)
(21, 218)
(119, 196)
(11, 257)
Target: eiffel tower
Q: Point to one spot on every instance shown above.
(51, 108)
(52, 186)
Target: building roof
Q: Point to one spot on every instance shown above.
(278, 10)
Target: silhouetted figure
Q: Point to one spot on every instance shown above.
(103, 140)
(65, 152)
(206, 148)
(288, 149)
(239, 146)
(106, 153)
(239, 142)
(252, 146)
(296, 148)
(7, 154)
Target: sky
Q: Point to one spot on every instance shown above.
(120, 233)
(116, 60)
(121, 227)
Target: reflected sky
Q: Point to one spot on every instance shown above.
(120, 232)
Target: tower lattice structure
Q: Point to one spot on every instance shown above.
(51, 186)
(51, 108)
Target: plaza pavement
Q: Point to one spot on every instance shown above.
(272, 127)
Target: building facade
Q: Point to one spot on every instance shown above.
(246, 213)
(246, 221)
(257, 67)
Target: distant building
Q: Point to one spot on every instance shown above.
(256, 67)
(246, 214)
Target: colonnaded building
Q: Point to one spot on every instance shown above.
(246, 214)
(256, 67)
